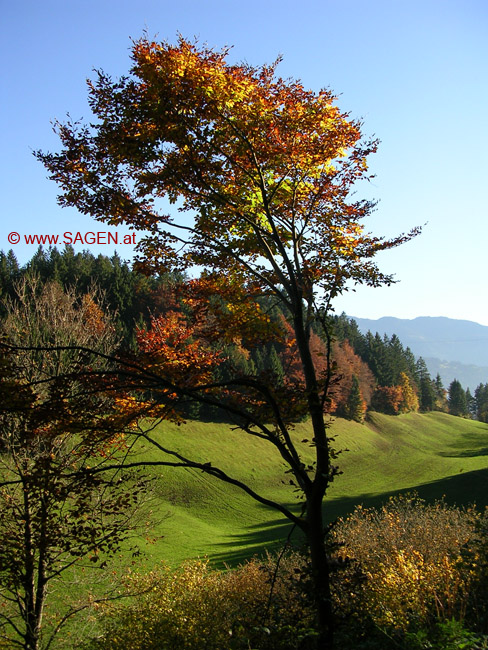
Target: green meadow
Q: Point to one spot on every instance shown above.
(194, 515)
(434, 454)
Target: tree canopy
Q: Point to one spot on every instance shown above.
(264, 167)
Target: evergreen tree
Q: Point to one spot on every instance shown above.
(38, 265)
(471, 404)
(457, 399)
(355, 406)
(346, 329)
(481, 399)
(258, 359)
(379, 359)
(427, 395)
(9, 274)
(397, 360)
(438, 386)
(411, 366)
(440, 395)
(275, 367)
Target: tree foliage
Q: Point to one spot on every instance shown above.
(350, 365)
(129, 296)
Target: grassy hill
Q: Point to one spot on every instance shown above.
(435, 454)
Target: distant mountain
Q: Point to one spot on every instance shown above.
(456, 349)
(470, 376)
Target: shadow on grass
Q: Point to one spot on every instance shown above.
(463, 489)
(468, 446)
(466, 453)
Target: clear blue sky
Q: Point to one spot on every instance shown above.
(415, 72)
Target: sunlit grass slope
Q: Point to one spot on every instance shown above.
(434, 454)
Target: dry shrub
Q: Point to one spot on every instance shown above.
(194, 607)
(408, 559)
(409, 568)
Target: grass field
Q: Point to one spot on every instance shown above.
(198, 516)
(434, 454)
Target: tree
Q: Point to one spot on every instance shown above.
(396, 399)
(440, 395)
(470, 404)
(410, 400)
(387, 399)
(9, 272)
(348, 366)
(276, 367)
(457, 399)
(427, 394)
(56, 513)
(355, 407)
(264, 170)
(481, 397)
(378, 357)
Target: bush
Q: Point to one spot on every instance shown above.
(475, 557)
(409, 575)
(195, 607)
(408, 564)
(450, 635)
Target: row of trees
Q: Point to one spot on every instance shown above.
(403, 382)
(375, 372)
(464, 403)
(130, 297)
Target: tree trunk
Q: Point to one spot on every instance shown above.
(314, 498)
(320, 576)
(31, 636)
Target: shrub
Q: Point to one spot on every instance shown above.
(475, 557)
(407, 569)
(409, 575)
(194, 607)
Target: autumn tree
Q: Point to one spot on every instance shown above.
(260, 171)
(393, 400)
(410, 400)
(56, 513)
(349, 365)
(387, 399)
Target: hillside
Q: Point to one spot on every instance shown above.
(435, 454)
(456, 349)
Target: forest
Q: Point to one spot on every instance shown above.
(376, 373)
